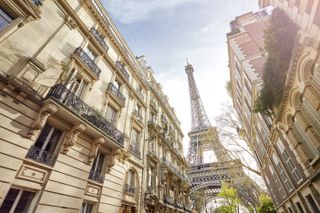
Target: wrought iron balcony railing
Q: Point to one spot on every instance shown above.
(73, 103)
(37, 2)
(41, 156)
(123, 70)
(88, 61)
(135, 150)
(99, 38)
(175, 169)
(130, 189)
(169, 200)
(116, 92)
(138, 115)
(96, 176)
(179, 204)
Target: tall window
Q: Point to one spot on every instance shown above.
(299, 207)
(77, 86)
(17, 201)
(135, 142)
(86, 208)
(111, 115)
(131, 182)
(97, 169)
(92, 55)
(312, 204)
(293, 169)
(45, 148)
(5, 18)
(282, 173)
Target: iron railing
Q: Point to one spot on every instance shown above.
(99, 38)
(88, 61)
(42, 156)
(135, 150)
(123, 70)
(175, 169)
(179, 204)
(116, 92)
(37, 2)
(96, 176)
(130, 189)
(73, 103)
(168, 200)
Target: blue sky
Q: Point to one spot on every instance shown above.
(169, 31)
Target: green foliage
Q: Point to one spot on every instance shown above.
(248, 192)
(229, 194)
(229, 88)
(222, 209)
(279, 42)
(266, 204)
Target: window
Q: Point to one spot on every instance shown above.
(5, 18)
(117, 84)
(299, 207)
(290, 210)
(97, 169)
(92, 55)
(312, 204)
(17, 201)
(45, 148)
(289, 162)
(131, 182)
(135, 142)
(86, 208)
(77, 86)
(111, 114)
(282, 173)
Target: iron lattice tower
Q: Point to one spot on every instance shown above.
(204, 137)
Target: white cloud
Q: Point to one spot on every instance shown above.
(138, 10)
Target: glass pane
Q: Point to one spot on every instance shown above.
(24, 202)
(43, 135)
(9, 200)
(53, 141)
(4, 19)
(89, 208)
(83, 207)
(100, 163)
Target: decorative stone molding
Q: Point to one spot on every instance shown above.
(6, 89)
(46, 111)
(121, 155)
(72, 136)
(70, 23)
(94, 148)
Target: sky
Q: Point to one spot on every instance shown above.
(169, 31)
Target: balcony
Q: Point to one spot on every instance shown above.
(168, 200)
(74, 104)
(115, 92)
(99, 38)
(41, 156)
(37, 2)
(96, 176)
(175, 170)
(179, 204)
(84, 58)
(129, 189)
(122, 69)
(135, 150)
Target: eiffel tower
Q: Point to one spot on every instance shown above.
(204, 137)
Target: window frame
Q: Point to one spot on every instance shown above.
(30, 207)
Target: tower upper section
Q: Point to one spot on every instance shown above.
(198, 115)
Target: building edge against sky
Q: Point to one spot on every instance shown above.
(287, 145)
(84, 124)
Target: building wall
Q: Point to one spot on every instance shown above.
(38, 57)
(287, 154)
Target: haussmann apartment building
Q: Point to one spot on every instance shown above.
(84, 125)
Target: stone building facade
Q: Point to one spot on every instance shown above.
(286, 145)
(84, 125)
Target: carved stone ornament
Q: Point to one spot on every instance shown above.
(70, 23)
(42, 117)
(94, 148)
(121, 155)
(72, 136)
